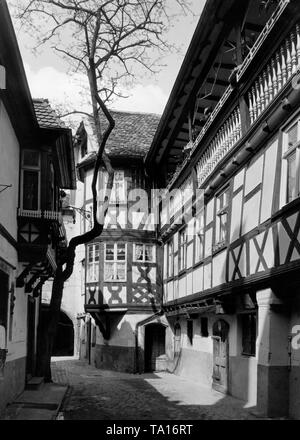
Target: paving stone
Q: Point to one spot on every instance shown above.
(108, 395)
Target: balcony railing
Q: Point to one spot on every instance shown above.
(228, 135)
(273, 78)
(283, 65)
(47, 215)
(262, 37)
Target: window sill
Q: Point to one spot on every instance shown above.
(248, 355)
(115, 281)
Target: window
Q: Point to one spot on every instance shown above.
(248, 333)
(204, 327)
(30, 180)
(93, 252)
(144, 253)
(115, 262)
(170, 258)
(190, 331)
(182, 249)
(221, 217)
(118, 190)
(291, 156)
(199, 237)
(177, 341)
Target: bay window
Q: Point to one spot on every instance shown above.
(30, 180)
(115, 262)
(93, 254)
(118, 193)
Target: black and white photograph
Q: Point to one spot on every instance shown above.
(149, 214)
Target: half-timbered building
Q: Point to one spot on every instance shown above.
(36, 160)
(122, 284)
(229, 141)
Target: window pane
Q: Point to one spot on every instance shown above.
(97, 252)
(121, 275)
(138, 252)
(121, 251)
(30, 158)
(109, 255)
(291, 183)
(30, 189)
(108, 271)
(90, 254)
(148, 252)
(292, 135)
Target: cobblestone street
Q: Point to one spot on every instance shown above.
(106, 395)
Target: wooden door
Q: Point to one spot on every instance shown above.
(154, 345)
(220, 356)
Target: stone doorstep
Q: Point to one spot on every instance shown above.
(34, 383)
(41, 404)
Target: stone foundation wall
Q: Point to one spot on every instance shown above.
(13, 382)
(113, 357)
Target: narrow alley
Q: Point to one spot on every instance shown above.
(95, 394)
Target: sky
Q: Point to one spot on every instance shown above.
(48, 76)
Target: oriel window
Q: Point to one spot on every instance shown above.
(30, 180)
(93, 254)
(115, 262)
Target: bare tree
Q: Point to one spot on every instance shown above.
(106, 40)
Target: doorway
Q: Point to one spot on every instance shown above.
(220, 356)
(155, 336)
(63, 344)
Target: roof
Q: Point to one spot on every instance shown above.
(46, 116)
(131, 137)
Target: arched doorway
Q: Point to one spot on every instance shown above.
(64, 339)
(220, 355)
(155, 337)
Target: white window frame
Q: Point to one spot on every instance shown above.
(287, 152)
(30, 168)
(170, 258)
(115, 262)
(199, 236)
(182, 250)
(220, 212)
(122, 193)
(144, 253)
(93, 264)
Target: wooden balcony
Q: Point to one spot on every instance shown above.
(284, 64)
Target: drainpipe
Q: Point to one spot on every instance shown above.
(136, 334)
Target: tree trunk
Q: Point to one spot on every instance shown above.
(47, 330)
